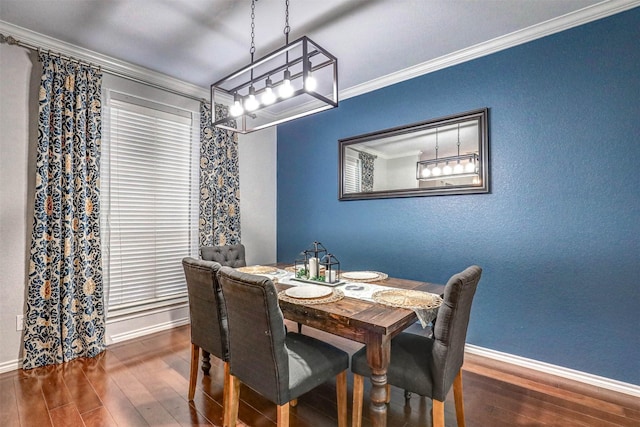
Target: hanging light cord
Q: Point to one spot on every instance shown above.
(287, 28)
(252, 50)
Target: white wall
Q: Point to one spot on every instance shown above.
(380, 174)
(401, 172)
(257, 152)
(15, 76)
(19, 78)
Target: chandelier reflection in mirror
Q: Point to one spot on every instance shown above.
(297, 80)
(465, 165)
(442, 156)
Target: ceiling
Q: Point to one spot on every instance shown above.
(201, 41)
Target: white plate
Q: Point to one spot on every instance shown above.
(308, 292)
(360, 275)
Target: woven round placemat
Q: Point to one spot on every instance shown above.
(258, 269)
(381, 276)
(405, 298)
(337, 295)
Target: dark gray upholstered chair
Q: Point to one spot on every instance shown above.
(280, 366)
(428, 366)
(208, 317)
(227, 255)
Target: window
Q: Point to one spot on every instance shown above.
(352, 174)
(149, 194)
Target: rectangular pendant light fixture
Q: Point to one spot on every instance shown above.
(297, 80)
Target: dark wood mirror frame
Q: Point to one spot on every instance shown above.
(420, 147)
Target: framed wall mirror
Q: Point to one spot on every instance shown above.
(449, 155)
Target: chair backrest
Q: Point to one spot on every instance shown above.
(257, 351)
(208, 314)
(450, 329)
(227, 255)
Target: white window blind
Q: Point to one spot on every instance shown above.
(352, 174)
(150, 203)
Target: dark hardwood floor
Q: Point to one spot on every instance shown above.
(144, 382)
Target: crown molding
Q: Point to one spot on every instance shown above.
(552, 26)
(583, 16)
(107, 63)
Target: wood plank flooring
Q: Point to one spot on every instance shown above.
(144, 382)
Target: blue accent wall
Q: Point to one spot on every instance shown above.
(558, 236)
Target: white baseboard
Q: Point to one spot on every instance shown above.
(10, 365)
(16, 364)
(116, 338)
(571, 374)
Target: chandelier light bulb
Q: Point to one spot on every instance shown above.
(236, 109)
(286, 89)
(436, 171)
(251, 103)
(470, 167)
(447, 170)
(458, 168)
(268, 96)
(425, 173)
(310, 83)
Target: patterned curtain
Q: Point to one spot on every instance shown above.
(219, 182)
(367, 161)
(65, 307)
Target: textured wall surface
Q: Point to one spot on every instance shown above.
(558, 237)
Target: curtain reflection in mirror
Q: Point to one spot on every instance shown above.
(367, 161)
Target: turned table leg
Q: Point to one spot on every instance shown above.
(378, 356)
(206, 362)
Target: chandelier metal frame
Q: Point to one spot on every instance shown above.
(310, 73)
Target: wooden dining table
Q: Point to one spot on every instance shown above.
(366, 322)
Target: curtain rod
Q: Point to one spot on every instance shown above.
(12, 41)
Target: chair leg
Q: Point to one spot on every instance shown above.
(193, 372)
(230, 417)
(226, 390)
(457, 397)
(283, 415)
(387, 390)
(358, 392)
(293, 403)
(438, 413)
(299, 328)
(341, 396)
